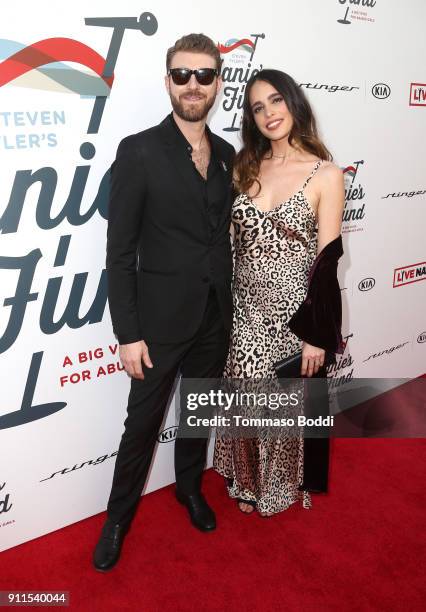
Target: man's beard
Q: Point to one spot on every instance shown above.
(192, 111)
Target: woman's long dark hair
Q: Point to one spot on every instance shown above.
(303, 134)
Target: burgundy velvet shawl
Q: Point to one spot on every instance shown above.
(318, 319)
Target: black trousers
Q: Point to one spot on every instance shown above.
(203, 356)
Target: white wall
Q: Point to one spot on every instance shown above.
(383, 43)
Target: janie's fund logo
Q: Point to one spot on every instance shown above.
(43, 65)
(339, 373)
(237, 68)
(354, 211)
(356, 10)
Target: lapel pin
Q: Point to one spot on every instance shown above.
(224, 166)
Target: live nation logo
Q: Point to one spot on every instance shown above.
(357, 13)
(418, 94)
(409, 274)
(237, 68)
(354, 211)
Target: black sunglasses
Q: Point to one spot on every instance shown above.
(181, 76)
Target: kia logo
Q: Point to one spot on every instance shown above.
(381, 91)
(167, 435)
(366, 284)
(421, 337)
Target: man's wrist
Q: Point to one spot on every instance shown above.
(128, 338)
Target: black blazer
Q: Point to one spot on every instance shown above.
(164, 248)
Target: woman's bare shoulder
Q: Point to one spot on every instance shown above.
(330, 171)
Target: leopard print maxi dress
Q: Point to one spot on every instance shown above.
(274, 252)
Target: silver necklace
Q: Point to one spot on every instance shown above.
(278, 156)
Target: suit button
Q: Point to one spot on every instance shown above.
(206, 279)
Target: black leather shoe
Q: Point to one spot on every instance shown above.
(108, 548)
(201, 515)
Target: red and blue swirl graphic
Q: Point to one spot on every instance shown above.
(350, 170)
(234, 43)
(42, 63)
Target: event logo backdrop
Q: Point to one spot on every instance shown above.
(74, 81)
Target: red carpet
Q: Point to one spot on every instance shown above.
(361, 547)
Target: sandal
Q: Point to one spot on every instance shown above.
(266, 515)
(249, 502)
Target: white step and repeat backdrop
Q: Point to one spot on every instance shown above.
(77, 77)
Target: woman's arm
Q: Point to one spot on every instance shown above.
(331, 205)
(330, 211)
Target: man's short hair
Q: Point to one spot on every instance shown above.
(197, 43)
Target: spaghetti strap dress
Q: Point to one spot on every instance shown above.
(274, 252)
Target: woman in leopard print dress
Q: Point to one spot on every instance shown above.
(289, 207)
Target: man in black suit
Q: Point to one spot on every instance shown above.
(169, 269)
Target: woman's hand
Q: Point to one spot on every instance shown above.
(312, 359)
